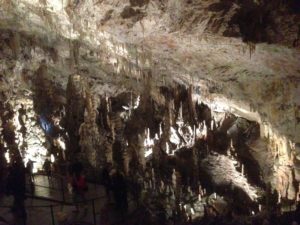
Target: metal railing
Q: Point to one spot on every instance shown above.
(55, 182)
(51, 207)
(60, 187)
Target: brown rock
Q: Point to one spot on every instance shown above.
(139, 3)
(128, 12)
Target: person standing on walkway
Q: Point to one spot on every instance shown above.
(120, 191)
(106, 180)
(47, 169)
(29, 170)
(16, 186)
(79, 188)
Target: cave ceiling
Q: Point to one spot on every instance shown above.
(239, 56)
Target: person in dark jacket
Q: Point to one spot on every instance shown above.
(29, 170)
(17, 186)
(119, 187)
(106, 180)
(47, 169)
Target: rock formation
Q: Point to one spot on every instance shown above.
(207, 85)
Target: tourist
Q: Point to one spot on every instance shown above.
(119, 187)
(106, 180)
(47, 169)
(16, 186)
(79, 188)
(76, 168)
(29, 170)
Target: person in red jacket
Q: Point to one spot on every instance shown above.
(79, 188)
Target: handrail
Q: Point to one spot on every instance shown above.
(51, 206)
(60, 185)
(56, 205)
(33, 206)
(52, 174)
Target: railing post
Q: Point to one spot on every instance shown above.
(62, 189)
(94, 211)
(52, 215)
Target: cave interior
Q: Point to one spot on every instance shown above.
(195, 103)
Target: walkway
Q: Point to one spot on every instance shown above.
(56, 189)
(47, 206)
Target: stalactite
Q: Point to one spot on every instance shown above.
(252, 48)
(192, 109)
(167, 121)
(145, 100)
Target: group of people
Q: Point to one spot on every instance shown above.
(78, 184)
(114, 181)
(17, 176)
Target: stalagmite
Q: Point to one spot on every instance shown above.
(153, 178)
(141, 151)
(126, 162)
(174, 179)
(242, 169)
(162, 186)
(173, 197)
(200, 189)
(189, 190)
(228, 152)
(160, 130)
(168, 149)
(215, 195)
(167, 189)
(192, 211)
(231, 144)
(180, 117)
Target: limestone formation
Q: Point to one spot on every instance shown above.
(195, 91)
